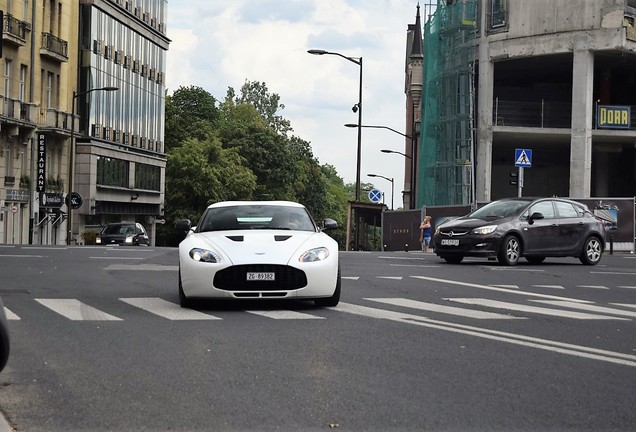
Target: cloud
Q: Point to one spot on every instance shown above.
(220, 44)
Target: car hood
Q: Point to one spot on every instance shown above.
(263, 246)
(470, 223)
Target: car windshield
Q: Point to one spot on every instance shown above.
(119, 229)
(499, 209)
(243, 217)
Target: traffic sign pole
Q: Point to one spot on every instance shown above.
(520, 182)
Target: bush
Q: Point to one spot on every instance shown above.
(89, 237)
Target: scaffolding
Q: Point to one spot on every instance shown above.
(446, 157)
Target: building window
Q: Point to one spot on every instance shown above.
(23, 78)
(7, 78)
(147, 177)
(112, 172)
(498, 14)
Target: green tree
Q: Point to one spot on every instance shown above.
(189, 110)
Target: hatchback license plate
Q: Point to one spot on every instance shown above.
(450, 242)
(261, 276)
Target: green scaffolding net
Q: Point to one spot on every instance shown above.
(445, 159)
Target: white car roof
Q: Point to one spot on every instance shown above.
(262, 203)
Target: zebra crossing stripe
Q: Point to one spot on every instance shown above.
(284, 315)
(549, 286)
(533, 309)
(76, 310)
(588, 307)
(390, 277)
(449, 310)
(166, 309)
(10, 315)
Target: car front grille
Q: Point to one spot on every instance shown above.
(235, 278)
(453, 233)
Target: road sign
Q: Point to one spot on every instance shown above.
(14, 209)
(375, 195)
(523, 158)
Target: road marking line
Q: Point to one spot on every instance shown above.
(532, 309)
(142, 267)
(588, 307)
(284, 315)
(614, 273)
(627, 287)
(389, 277)
(507, 286)
(76, 310)
(450, 310)
(10, 315)
(493, 288)
(625, 305)
(415, 265)
(511, 338)
(515, 269)
(166, 309)
(115, 258)
(351, 277)
(549, 286)
(593, 286)
(21, 256)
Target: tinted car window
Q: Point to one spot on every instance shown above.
(566, 210)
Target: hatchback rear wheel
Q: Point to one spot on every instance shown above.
(592, 251)
(510, 251)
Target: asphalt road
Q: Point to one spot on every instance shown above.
(100, 344)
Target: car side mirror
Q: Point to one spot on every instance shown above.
(329, 224)
(184, 226)
(534, 216)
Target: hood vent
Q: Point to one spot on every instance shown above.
(237, 238)
(281, 237)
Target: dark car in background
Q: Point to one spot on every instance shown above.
(124, 234)
(512, 228)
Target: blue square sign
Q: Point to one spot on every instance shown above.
(523, 158)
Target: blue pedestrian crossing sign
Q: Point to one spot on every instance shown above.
(375, 195)
(523, 158)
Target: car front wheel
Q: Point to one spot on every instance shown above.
(334, 299)
(592, 251)
(510, 251)
(184, 301)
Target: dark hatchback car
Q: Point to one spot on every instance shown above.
(123, 233)
(523, 227)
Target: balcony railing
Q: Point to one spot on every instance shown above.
(540, 114)
(54, 45)
(15, 28)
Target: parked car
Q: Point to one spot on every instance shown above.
(258, 250)
(523, 227)
(123, 233)
(5, 345)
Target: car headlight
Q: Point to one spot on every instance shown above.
(129, 240)
(204, 255)
(98, 240)
(312, 255)
(488, 229)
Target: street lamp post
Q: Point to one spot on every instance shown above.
(71, 158)
(413, 167)
(356, 108)
(389, 179)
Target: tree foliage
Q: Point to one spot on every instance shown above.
(241, 149)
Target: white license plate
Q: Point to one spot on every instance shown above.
(450, 242)
(261, 276)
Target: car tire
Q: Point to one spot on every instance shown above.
(184, 301)
(510, 251)
(453, 259)
(592, 251)
(335, 298)
(535, 259)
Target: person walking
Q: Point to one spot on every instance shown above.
(425, 234)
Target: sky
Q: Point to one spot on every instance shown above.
(216, 44)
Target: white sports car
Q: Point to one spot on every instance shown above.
(258, 250)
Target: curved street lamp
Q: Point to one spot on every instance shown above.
(356, 108)
(386, 178)
(393, 151)
(71, 157)
(412, 157)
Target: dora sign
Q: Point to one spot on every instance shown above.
(613, 117)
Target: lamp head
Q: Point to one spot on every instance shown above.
(351, 125)
(317, 51)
